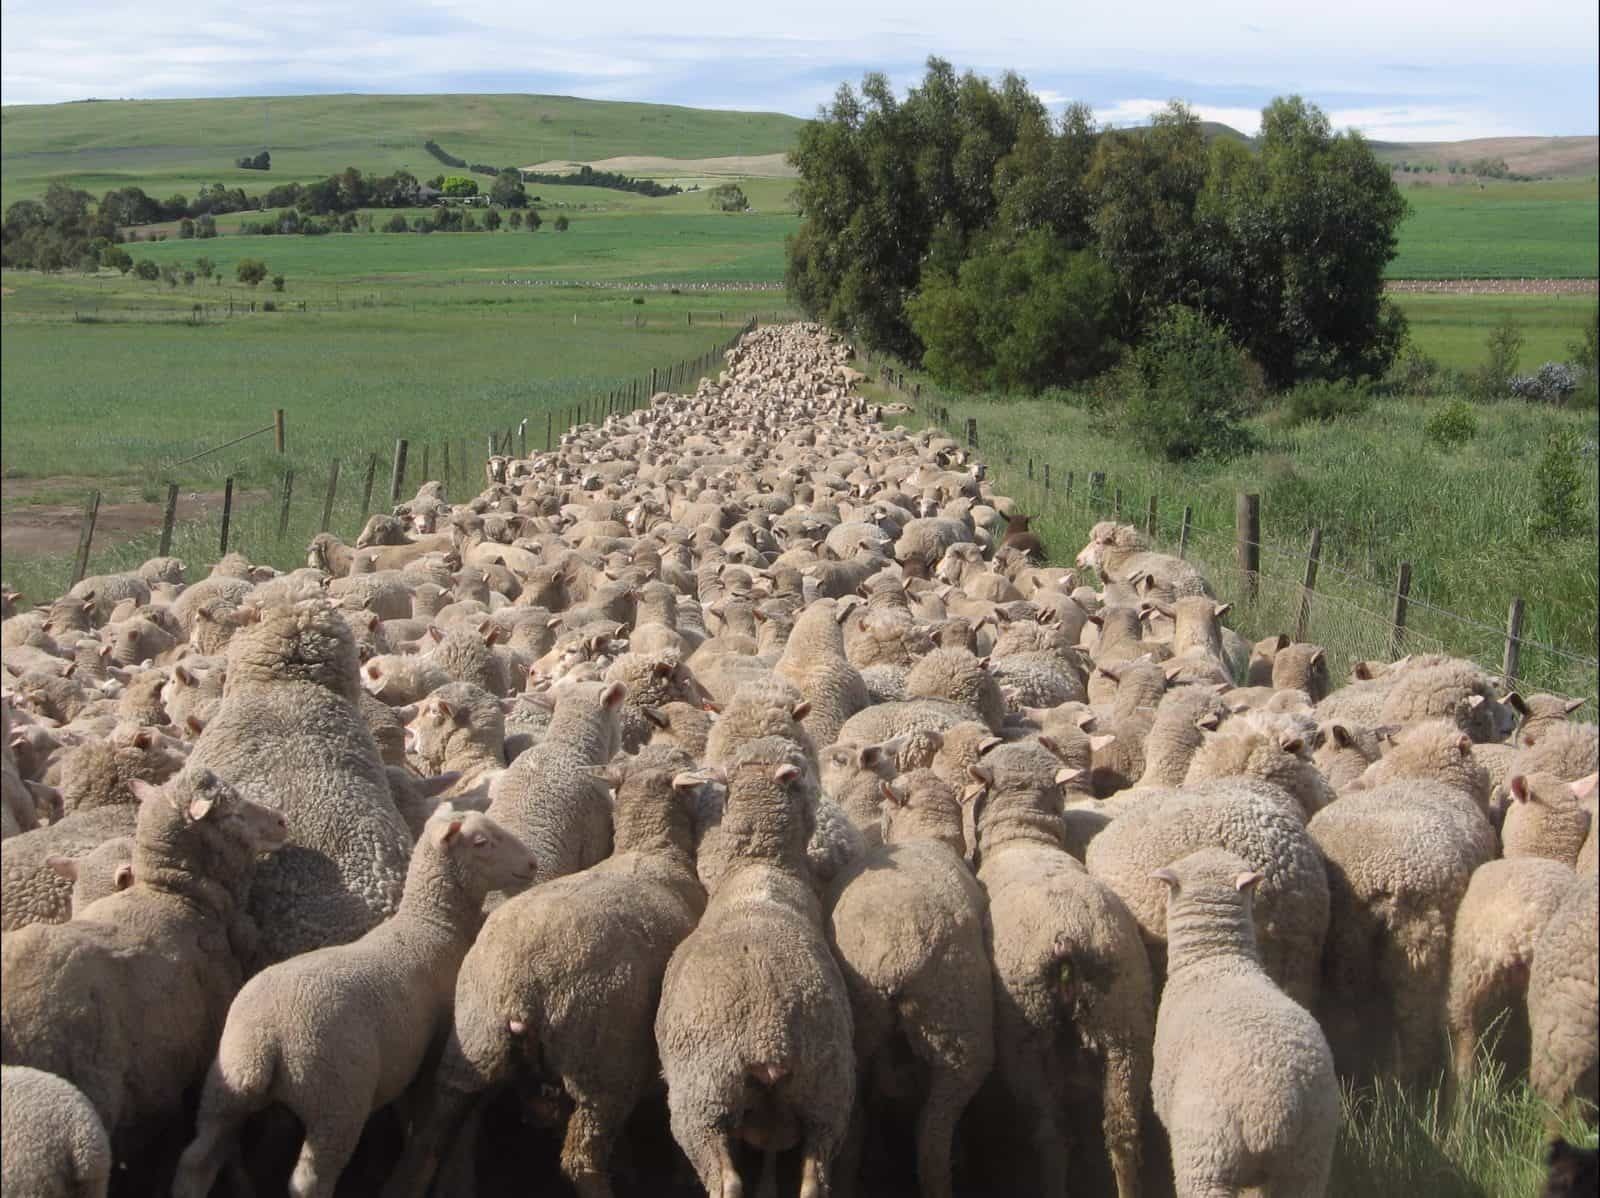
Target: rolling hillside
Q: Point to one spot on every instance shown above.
(168, 146)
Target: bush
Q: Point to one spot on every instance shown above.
(1416, 374)
(1184, 389)
(729, 197)
(250, 270)
(1585, 351)
(459, 185)
(1553, 384)
(396, 223)
(277, 282)
(1324, 401)
(1558, 499)
(268, 306)
(562, 223)
(1492, 380)
(534, 220)
(147, 270)
(1452, 425)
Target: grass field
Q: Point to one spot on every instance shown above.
(1544, 230)
(168, 146)
(1453, 329)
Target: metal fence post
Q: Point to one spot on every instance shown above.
(1183, 529)
(283, 511)
(366, 489)
(227, 514)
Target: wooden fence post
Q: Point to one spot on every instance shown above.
(549, 431)
(1511, 664)
(283, 511)
(522, 439)
(366, 490)
(91, 513)
(1150, 517)
(425, 448)
(1097, 488)
(277, 429)
(227, 514)
(397, 474)
(1066, 492)
(327, 499)
(1247, 538)
(1402, 596)
(1302, 620)
(1116, 503)
(168, 518)
(1030, 469)
(444, 449)
(1183, 529)
(972, 432)
(1047, 478)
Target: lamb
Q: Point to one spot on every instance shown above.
(1260, 823)
(1243, 1078)
(52, 1143)
(1497, 925)
(1547, 818)
(906, 924)
(194, 691)
(1563, 993)
(853, 776)
(337, 1033)
(289, 735)
(1070, 974)
(754, 1024)
(527, 990)
(1455, 690)
(78, 995)
(814, 661)
(460, 728)
(550, 800)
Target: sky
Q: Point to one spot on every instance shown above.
(1401, 70)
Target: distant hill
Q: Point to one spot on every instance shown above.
(168, 146)
(1541, 157)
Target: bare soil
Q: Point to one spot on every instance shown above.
(47, 529)
(747, 166)
(1495, 286)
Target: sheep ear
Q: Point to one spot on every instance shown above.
(200, 808)
(446, 830)
(869, 756)
(1085, 720)
(1570, 706)
(799, 711)
(1172, 670)
(446, 710)
(66, 867)
(1518, 788)
(785, 774)
(1464, 745)
(374, 670)
(1210, 722)
(1341, 736)
(662, 669)
(143, 791)
(1067, 774)
(1386, 731)
(123, 877)
(655, 716)
(1248, 881)
(142, 739)
(1321, 655)
(1474, 702)
(405, 714)
(611, 775)
(1584, 787)
(1047, 743)
(981, 774)
(1221, 610)
(983, 662)
(1167, 877)
(988, 743)
(1292, 744)
(1361, 671)
(1097, 743)
(194, 724)
(613, 695)
(436, 632)
(891, 795)
(183, 676)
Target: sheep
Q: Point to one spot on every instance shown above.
(1302, 667)
(1568, 751)
(1257, 821)
(853, 776)
(1343, 751)
(1455, 690)
(460, 728)
(289, 734)
(569, 966)
(97, 781)
(1176, 733)
(549, 799)
(1243, 1078)
(78, 996)
(1070, 974)
(753, 1027)
(103, 870)
(1497, 924)
(653, 680)
(1118, 553)
(814, 662)
(52, 1142)
(956, 676)
(1563, 993)
(686, 726)
(1547, 818)
(336, 1033)
(1267, 758)
(398, 679)
(906, 924)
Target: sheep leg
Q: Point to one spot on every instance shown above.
(330, 1143)
(1123, 1099)
(439, 1122)
(814, 1171)
(591, 1130)
(223, 1110)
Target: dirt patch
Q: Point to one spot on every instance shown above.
(48, 529)
(1495, 286)
(745, 166)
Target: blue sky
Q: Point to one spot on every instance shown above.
(1418, 70)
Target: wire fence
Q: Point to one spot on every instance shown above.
(1355, 617)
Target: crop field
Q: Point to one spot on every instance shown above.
(1543, 230)
(1452, 329)
(168, 146)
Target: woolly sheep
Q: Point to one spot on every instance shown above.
(104, 870)
(1247, 753)
(956, 676)
(52, 1142)
(814, 662)
(337, 1033)
(460, 728)
(754, 1024)
(1181, 720)
(1243, 1078)
(1563, 998)
(1547, 818)
(78, 996)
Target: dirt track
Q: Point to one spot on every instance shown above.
(1494, 286)
(46, 529)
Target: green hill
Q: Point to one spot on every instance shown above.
(169, 146)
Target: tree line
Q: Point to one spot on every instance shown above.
(965, 229)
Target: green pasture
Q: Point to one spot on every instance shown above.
(1452, 329)
(168, 146)
(1543, 230)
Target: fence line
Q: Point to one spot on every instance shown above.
(1274, 587)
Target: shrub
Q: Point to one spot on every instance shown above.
(277, 282)
(1323, 401)
(1558, 500)
(562, 223)
(1416, 374)
(491, 220)
(396, 223)
(147, 270)
(1452, 425)
(268, 306)
(459, 185)
(534, 220)
(250, 270)
(185, 228)
(1553, 384)
(729, 197)
(1492, 380)
(1184, 389)
(1585, 351)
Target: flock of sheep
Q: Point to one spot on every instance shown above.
(740, 753)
